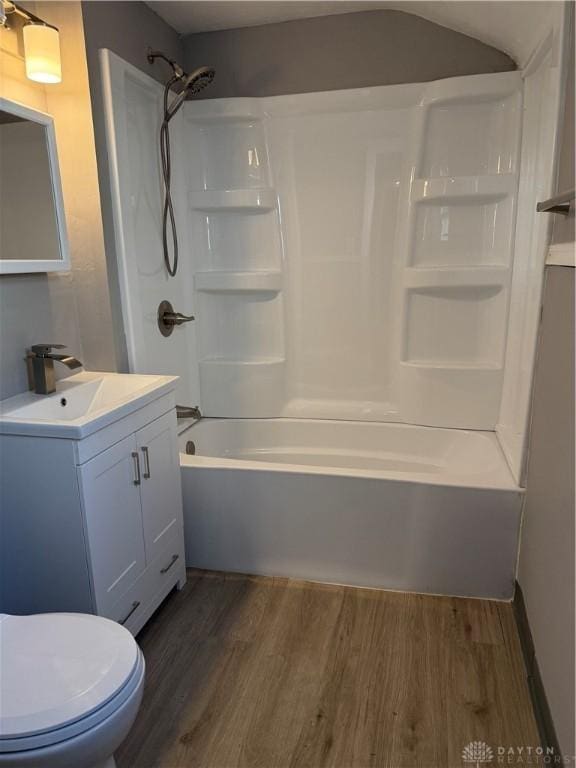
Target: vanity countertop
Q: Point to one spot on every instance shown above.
(82, 404)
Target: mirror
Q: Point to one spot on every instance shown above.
(32, 223)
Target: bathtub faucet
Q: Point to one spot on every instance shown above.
(188, 412)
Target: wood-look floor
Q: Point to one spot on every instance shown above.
(271, 673)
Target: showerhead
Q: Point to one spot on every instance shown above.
(191, 84)
(199, 79)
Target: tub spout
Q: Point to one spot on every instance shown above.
(188, 412)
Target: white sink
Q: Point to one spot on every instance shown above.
(82, 404)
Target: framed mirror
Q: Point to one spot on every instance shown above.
(32, 221)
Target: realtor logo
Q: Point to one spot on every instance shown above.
(477, 753)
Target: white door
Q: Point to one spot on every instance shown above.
(161, 489)
(111, 497)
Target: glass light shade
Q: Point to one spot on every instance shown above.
(42, 53)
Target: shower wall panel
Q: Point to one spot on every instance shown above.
(347, 255)
(133, 117)
(352, 250)
(457, 241)
(235, 234)
(339, 172)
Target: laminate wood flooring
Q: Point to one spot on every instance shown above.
(258, 672)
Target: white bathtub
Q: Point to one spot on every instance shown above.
(381, 505)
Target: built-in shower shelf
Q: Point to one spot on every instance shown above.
(248, 363)
(456, 277)
(234, 200)
(471, 90)
(234, 111)
(463, 189)
(238, 282)
(458, 365)
(448, 388)
(231, 117)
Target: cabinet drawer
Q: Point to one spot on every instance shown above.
(131, 605)
(169, 562)
(137, 604)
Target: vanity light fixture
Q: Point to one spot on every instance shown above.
(42, 53)
(41, 44)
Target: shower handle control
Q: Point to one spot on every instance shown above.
(177, 318)
(168, 318)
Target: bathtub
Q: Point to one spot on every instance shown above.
(393, 506)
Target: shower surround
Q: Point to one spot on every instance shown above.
(348, 258)
(353, 250)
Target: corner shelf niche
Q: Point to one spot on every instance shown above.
(462, 222)
(475, 133)
(248, 388)
(448, 389)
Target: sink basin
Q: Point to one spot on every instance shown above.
(82, 404)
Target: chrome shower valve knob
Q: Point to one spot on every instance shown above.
(168, 318)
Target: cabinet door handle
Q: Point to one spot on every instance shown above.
(170, 564)
(146, 462)
(136, 467)
(135, 605)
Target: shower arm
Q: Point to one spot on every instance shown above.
(153, 55)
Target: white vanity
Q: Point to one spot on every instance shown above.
(90, 498)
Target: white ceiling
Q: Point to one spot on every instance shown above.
(513, 26)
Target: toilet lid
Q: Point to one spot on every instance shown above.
(56, 668)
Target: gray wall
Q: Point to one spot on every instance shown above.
(546, 566)
(38, 308)
(34, 309)
(128, 29)
(352, 50)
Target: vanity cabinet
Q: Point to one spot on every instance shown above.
(93, 525)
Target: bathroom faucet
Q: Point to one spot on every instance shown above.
(41, 366)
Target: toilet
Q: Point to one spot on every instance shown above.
(70, 688)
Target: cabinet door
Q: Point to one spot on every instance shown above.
(112, 509)
(161, 489)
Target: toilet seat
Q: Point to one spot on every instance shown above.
(60, 675)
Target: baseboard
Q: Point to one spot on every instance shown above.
(542, 714)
